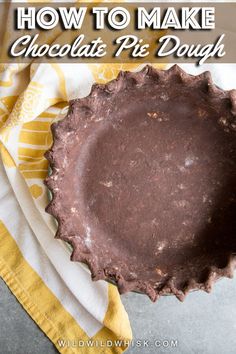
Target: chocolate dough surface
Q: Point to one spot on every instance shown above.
(144, 181)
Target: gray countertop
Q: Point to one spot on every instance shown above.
(203, 324)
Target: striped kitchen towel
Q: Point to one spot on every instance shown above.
(58, 294)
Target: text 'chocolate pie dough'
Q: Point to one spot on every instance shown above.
(143, 181)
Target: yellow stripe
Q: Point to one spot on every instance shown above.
(56, 102)
(35, 174)
(6, 157)
(8, 101)
(3, 117)
(44, 307)
(42, 165)
(62, 104)
(36, 138)
(47, 115)
(31, 153)
(37, 126)
(29, 158)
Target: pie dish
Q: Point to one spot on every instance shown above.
(144, 181)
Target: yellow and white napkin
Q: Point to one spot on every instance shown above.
(58, 294)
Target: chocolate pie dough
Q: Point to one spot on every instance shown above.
(144, 181)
